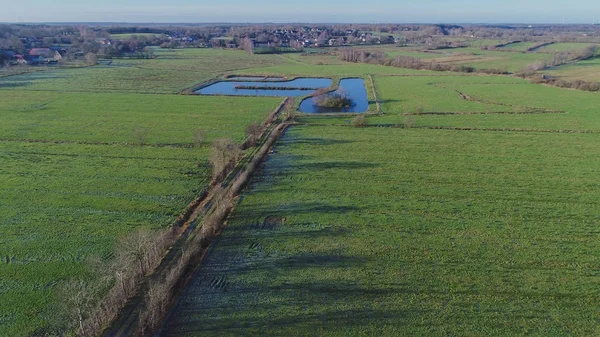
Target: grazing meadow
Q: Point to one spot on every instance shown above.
(467, 207)
(391, 231)
(83, 167)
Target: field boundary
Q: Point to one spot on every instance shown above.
(182, 258)
(377, 103)
(458, 128)
(534, 112)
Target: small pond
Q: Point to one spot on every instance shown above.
(353, 88)
(249, 88)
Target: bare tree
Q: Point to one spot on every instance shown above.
(77, 301)
(587, 52)
(359, 121)
(253, 132)
(223, 156)
(199, 137)
(91, 59)
(247, 45)
(537, 65)
(135, 248)
(559, 58)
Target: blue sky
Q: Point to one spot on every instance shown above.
(370, 11)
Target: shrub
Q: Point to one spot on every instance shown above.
(199, 137)
(223, 156)
(359, 121)
(409, 122)
(253, 131)
(334, 100)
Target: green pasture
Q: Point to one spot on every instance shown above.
(82, 169)
(404, 232)
(563, 47)
(62, 203)
(495, 102)
(116, 118)
(588, 70)
(394, 229)
(170, 72)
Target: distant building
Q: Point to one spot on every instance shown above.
(103, 41)
(47, 54)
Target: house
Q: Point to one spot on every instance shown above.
(47, 54)
(103, 41)
(44, 52)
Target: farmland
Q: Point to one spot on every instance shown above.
(588, 70)
(511, 61)
(467, 207)
(407, 232)
(562, 47)
(82, 169)
(169, 72)
(486, 227)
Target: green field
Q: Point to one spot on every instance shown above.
(469, 207)
(485, 228)
(75, 179)
(171, 72)
(384, 231)
(564, 46)
(511, 61)
(588, 70)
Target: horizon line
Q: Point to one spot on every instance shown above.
(292, 23)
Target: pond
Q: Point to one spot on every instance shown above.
(351, 87)
(295, 88)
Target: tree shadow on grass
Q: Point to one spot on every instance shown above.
(232, 294)
(386, 101)
(13, 84)
(343, 165)
(314, 141)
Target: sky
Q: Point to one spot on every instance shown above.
(309, 11)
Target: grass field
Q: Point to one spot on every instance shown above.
(496, 102)
(564, 46)
(346, 231)
(392, 232)
(415, 231)
(509, 61)
(170, 72)
(588, 70)
(512, 61)
(74, 181)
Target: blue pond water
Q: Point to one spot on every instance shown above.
(352, 87)
(228, 87)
